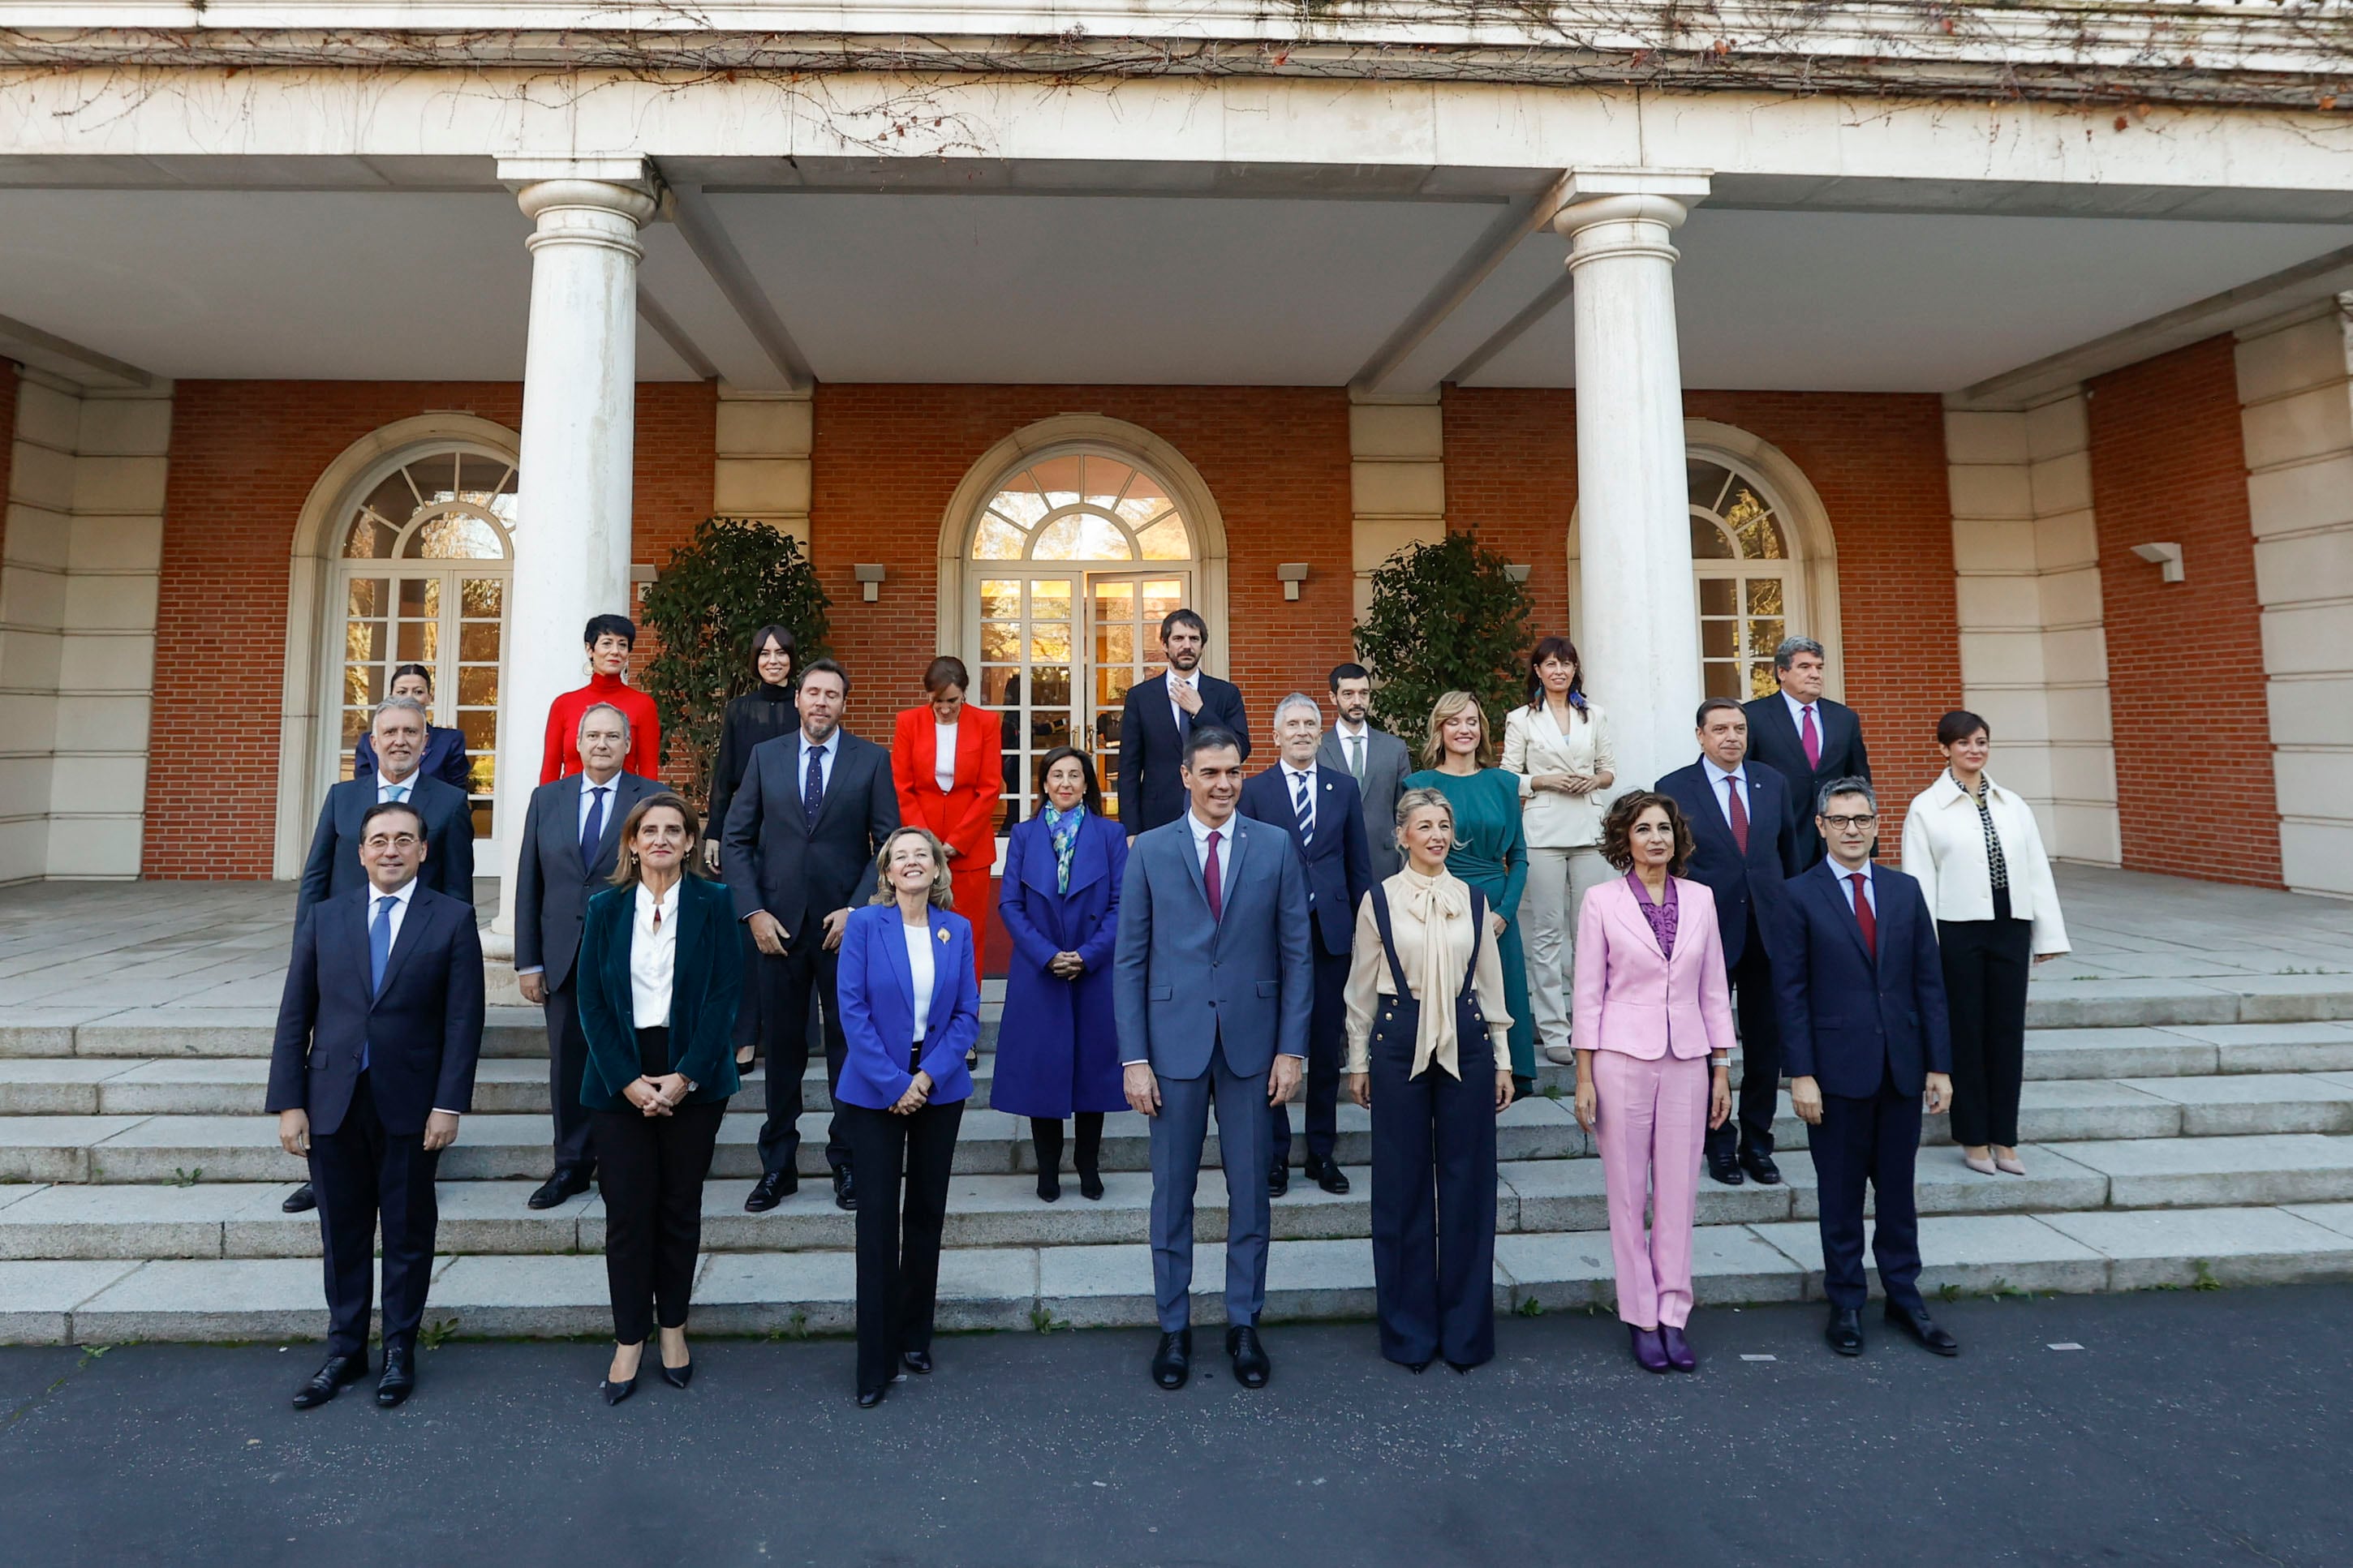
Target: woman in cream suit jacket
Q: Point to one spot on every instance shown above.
(1652, 1003)
(1559, 746)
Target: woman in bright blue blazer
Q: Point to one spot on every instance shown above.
(910, 1009)
(1058, 1048)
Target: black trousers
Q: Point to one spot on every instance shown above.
(1046, 1138)
(1750, 1127)
(1433, 1216)
(1327, 1042)
(1986, 968)
(747, 1000)
(898, 1255)
(653, 1172)
(787, 984)
(567, 1053)
(366, 1176)
(1873, 1140)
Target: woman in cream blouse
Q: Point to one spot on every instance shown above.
(1429, 1054)
(1559, 746)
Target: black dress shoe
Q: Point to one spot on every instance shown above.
(916, 1360)
(1172, 1363)
(1915, 1321)
(1417, 1367)
(1759, 1165)
(564, 1183)
(868, 1398)
(617, 1391)
(1252, 1369)
(301, 1200)
(1846, 1331)
(1278, 1182)
(339, 1374)
(1091, 1185)
(1327, 1174)
(1725, 1168)
(399, 1379)
(845, 1191)
(1050, 1187)
(771, 1190)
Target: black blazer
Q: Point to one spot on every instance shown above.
(774, 860)
(334, 865)
(705, 982)
(1150, 750)
(1773, 740)
(1339, 859)
(551, 887)
(422, 1034)
(1846, 1021)
(1743, 885)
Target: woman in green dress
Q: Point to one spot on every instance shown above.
(1490, 853)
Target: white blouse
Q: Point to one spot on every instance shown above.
(919, 966)
(943, 737)
(653, 957)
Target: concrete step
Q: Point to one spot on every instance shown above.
(1002, 1288)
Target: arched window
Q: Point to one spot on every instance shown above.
(1749, 584)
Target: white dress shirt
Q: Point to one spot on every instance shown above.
(943, 739)
(588, 788)
(1870, 888)
(1798, 719)
(653, 957)
(919, 967)
(1177, 683)
(825, 767)
(407, 787)
(1201, 831)
(1716, 777)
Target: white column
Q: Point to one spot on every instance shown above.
(579, 421)
(1639, 617)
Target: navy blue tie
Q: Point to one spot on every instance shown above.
(813, 788)
(592, 832)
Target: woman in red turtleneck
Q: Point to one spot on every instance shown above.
(608, 639)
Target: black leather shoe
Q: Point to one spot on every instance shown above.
(771, 1190)
(564, 1183)
(1252, 1369)
(1050, 1187)
(868, 1398)
(301, 1200)
(1915, 1321)
(1725, 1168)
(399, 1379)
(1091, 1185)
(339, 1374)
(617, 1391)
(845, 1191)
(1172, 1363)
(1846, 1331)
(1278, 1182)
(1327, 1174)
(1760, 1167)
(916, 1360)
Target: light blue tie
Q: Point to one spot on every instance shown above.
(398, 793)
(380, 942)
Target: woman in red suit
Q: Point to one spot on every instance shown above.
(948, 761)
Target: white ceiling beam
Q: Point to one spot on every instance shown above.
(1504, 336)
(715, 248)
(681, 342)
(28, 344)
(1501, 237)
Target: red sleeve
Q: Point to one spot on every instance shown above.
(980, 812)
(902, 764)
(644, 737)
(551, 764)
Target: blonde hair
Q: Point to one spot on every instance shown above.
(943, 893)
(1421, 799)
(1449, 705)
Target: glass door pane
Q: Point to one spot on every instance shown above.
(1124, 614)
(469, 685)
(1029, 649)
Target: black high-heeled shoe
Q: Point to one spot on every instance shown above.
(1050, 1187)
(617, 1391)
(1091, 1185)
(677, 1376)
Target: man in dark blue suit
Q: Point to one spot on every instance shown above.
(1320, 808)
(333, 867)
(374, 1063)
(1804, 736)
(1864, 1035)
(1160, 714)
(1743, 825)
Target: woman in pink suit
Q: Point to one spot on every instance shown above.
(1652, 1001)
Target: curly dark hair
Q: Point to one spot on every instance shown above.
(1618, 830)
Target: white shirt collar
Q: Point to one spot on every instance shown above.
(668, 901)
(1797, 709)
(1176, 679)
(1842, 873)
(1348, 731)
(587, 784)
(1305, 771)
(406, 786)
(406, 891)
(1718, 774)
(824, 745)
(1201, 830)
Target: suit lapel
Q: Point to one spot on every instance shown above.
(1631, 916)
(943, 976)
(349, 922)
(895, 954)
(1830, 882)
(1192, 862)
(1229, 864)
(834, 784)
(405, 941)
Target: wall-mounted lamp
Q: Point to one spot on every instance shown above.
(2166, 556)
(1517, 571)
(644, 571)
(870, 576)
(1290, 573)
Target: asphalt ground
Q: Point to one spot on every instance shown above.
(2200, 1427)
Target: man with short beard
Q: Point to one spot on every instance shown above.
(1160, 716)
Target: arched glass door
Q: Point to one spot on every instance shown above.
(1750, 589)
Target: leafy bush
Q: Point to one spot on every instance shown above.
(1444, 617)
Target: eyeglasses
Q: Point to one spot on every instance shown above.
(1864, 821)
(394, 841)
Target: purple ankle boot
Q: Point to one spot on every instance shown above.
(1647, 1349)
(1678, 1349)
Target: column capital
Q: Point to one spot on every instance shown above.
(1663, 196)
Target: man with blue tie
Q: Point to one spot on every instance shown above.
(1745, 832)
(571, 843)
(378, 1033)
(1156, 720)
(1324, 813)
(1866, 1040)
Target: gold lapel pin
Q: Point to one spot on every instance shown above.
(943, 933)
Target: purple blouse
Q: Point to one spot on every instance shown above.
(1661, 915)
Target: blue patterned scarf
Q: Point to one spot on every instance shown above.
(1063, 825)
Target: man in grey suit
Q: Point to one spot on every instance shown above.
(571, 842)
(1212, 988)
(1376, 759)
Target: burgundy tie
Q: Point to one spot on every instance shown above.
(1813, 738)
(1739, 811)
(1864, 918)
(1210, 875)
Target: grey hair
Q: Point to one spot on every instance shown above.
(1298, 699)
(399, 705)
(1413, 800)
(1791, 647)
(1853, 783)
(601, 708)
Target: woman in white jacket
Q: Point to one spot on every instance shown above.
(1559, 746)
(1977, 856)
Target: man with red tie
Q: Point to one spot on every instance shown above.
(1865, 1038)
(1804, 736)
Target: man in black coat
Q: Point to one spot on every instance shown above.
(802, 833)
(571, 842)
(1865, 1038)
(373, 1062)
(1805, 737)
(1157, 716)
(1319, 807)
(332, 866)
(1741, 825)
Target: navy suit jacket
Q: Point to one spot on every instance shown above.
(1773, 740)
(1846, 1020)
(552, 887)
(1338, 859)
(334, 865)
(1150, 750)
(1744, 885)
(444, 758)
(421, 1033)
(775, 860)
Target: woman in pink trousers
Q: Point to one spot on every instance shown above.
(1652, 1003)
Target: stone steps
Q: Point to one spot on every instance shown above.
(1080, 1286)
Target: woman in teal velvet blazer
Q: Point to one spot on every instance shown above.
(661, 968)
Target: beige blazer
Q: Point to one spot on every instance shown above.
(1550, 819)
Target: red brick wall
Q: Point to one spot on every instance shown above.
(1876, 459)
(244, 457)
(2169, 464)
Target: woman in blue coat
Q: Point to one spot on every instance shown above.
(1057, 1051)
